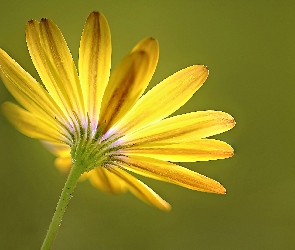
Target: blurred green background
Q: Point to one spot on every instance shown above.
(250, 50)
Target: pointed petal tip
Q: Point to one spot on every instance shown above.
(231, 120)
(213, 187)
(231, 123)
(229, 151)
(219, 189)
(228, 119)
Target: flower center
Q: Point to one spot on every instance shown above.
(91, 149)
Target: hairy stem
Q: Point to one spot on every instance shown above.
(62, 204)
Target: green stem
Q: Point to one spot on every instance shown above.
(62, 204)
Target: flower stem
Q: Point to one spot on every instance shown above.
(62, 204)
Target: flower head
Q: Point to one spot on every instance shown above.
(103, 122)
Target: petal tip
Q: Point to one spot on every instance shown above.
(166, 207)
(30, 25)
(200, 71)
(31, 21)
(229, 120)
(95, 15)
(231, 154)
(229, 151)
(219, 189)
(152, 39)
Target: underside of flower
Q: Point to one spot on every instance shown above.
(104, 123)
(102, 126)
(90, 150)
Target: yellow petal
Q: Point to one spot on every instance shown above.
(106, 181)
(63, 152)
(128, 81)
(182, 128)
(124, 88)
(94, 62)
(55, 65)
(29, 125)
(151, 47)
(58, 149)
(163, 99)
(173, 173)
(63, 164)
(27, 91)
(199, 150)
(141, 190)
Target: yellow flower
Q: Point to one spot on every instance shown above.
(104, 122)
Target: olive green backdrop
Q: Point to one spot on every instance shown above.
(250, 50)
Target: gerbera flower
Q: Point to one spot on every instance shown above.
(104, 125)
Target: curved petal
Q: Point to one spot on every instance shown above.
(124, 88)
(183, 128)
(163, 99)
(94, 63)
(106, 181)
(128, 81)
(29, 125)
(55, 65)
(199, 150)
(27, 91)
(141, 190)
(172, 173)
(151, 47)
